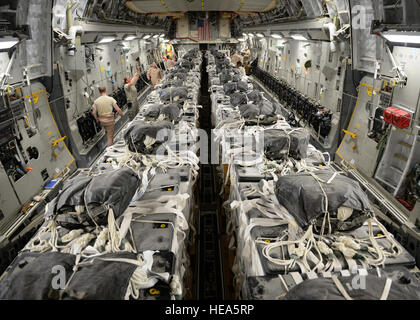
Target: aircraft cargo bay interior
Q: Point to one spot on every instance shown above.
(199, 150)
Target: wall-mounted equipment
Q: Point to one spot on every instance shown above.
(397, 117)
(303, 109)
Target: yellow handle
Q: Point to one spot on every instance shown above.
(54, 143)
(353, 135)
(154, 292)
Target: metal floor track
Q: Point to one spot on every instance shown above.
(210, 276)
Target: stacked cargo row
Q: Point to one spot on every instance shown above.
(122, 229)
(299, 227)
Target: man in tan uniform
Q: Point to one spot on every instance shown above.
(138, 64)
(247, 56)
(170, 62)
(131, 93)
(236, 58)
(241, 68)
(155, 75)
(103, 113)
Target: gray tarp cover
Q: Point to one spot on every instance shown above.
(30, 276)
(192, 54)
(102, 280)
(276, 144)
(221, 66)
(238, 98)
(137, 132)
(237, 78)
(174, 94)
(325, 289)
(301, 195)
(115, 188)
(231, 87)
(180, 74)
(150, 236)
(264, 108)
(187, 64)
(255, 96)
(225, 77)
(170, 111)
(173, 83)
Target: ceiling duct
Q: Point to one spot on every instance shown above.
(273, 5)
(171, 7)
(132, 6)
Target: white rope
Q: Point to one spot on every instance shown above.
(387, 289)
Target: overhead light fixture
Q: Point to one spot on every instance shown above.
(403, 37)
(129, 37)
(276, 36)
(147, 36)
(299, 37)
(250, 35)
(162, 35)
(155, 36)
(260, 35)
(107, 39)
(241, 39)
(165, 40)
(7, 44)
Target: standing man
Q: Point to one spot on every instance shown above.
(138, 64)
(236, 58)
(170, 62)
(155, 75)
(241, 68)
(247, 55)
(131, 94)
(103, 112)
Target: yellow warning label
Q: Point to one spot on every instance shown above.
(369, 91)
